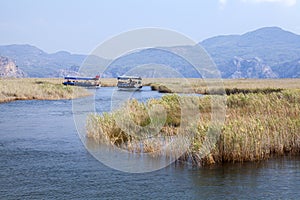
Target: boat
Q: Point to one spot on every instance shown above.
(93, 82)
(129, 83)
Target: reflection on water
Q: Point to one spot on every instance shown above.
(41, 157)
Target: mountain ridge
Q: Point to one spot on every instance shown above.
(267, 52)
(37, 63)
(272, 45)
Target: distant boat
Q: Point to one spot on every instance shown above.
(129, 83)
(83, 81)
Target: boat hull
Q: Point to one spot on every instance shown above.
(129, 88)
(89, 85)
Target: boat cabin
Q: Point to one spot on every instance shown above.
(82, 81)
(129, 82)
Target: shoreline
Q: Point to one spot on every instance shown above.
(14, 89)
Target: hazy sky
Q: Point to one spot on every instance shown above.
(79, 26)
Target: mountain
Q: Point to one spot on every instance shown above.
(8, 69)
(273, 46)
(268, 52)
(289, 69)
(152, 62)
(251, 68)
(37, 63)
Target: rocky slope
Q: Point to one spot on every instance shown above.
(37, 63)
(8, 69)
(271, 48)
(251, 68)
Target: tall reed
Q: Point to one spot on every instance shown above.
(257, 126)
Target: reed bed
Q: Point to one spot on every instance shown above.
(37, 88)
(200, 86)
(228, 86)
(257, 126)
(108, 82)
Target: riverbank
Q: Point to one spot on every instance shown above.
(52, 89)
(37, 88)
(257, 126)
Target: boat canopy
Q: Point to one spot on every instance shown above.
(129, 77)
(82, 78)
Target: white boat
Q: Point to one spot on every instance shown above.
(129, 83)
(93, 82)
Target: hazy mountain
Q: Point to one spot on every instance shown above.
(268, 52)
(271, 45)
(37, 63)
(152, 62)
(288, 70)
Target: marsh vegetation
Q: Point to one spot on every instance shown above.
(257, 126)
(35, 88)
(228, 86)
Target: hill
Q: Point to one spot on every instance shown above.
(268, 52)
(152, 62)
(272, 46)
(289, 69)
(37, 63)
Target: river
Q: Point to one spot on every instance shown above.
(42, 157)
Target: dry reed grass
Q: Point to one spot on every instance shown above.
(231, 86)
(257, 126)
(36, 88)
(108, 82)
(177, 85)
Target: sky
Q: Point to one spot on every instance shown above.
(79, 26)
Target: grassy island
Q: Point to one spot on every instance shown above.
(36, 88)
(258, 125)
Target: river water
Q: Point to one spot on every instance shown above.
(42, 157)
